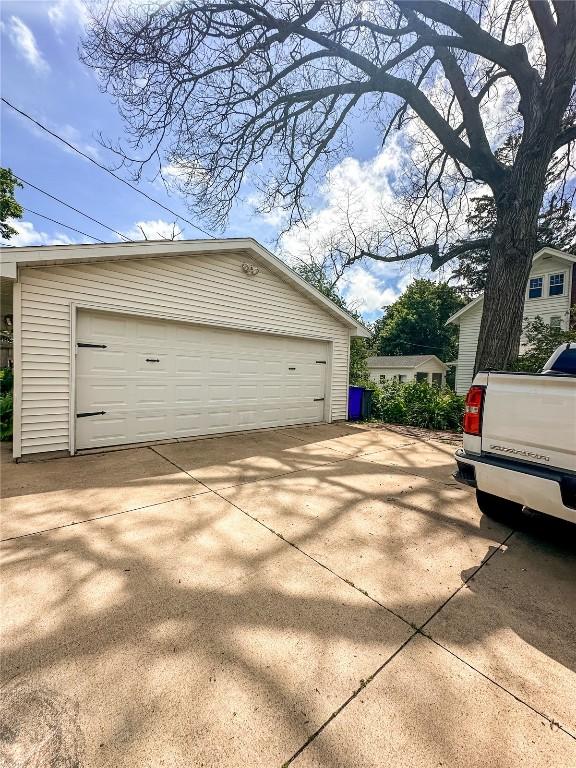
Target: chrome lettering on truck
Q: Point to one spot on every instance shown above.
(516, 452)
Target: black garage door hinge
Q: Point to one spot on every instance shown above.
(322, 362)
(90, 413)
(318, 399)
(92, 346)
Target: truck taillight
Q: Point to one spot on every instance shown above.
(472, 422)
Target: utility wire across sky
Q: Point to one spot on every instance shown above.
(104, 168)
(63, 202)
(61, 224)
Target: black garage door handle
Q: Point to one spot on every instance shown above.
(90, 413)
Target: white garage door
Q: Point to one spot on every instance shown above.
(139, 379)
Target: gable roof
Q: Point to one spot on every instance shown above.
(401, 361)
(570, 257)
(47, 255)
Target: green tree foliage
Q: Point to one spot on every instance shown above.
(6, 403)
(418, 404)
(416, 323)
(316, 276)
(556, 229)
(541, 340)
(359, 374)
(9, 207)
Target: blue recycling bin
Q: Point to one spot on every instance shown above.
(355, 396)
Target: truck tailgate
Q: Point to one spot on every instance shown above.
(531, 418)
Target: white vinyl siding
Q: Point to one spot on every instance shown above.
(205, 289)
(390, 373)
(546, 307)
(467, 344)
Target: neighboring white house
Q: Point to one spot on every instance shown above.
(406, 368)
(549, 294)
(136, 342)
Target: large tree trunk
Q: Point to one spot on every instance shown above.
(512, 247)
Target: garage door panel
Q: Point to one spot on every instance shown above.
(206, 380)
(92, 395)
(224, 365)
(187, 423)
(112, 327)
(247, 392)
(187, 363)
(105, 360)
(248, 367)
(152, 363)
(150, 427)
(190, 394)
(94, 432)
(151, 394)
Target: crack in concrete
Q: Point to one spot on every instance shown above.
(550, 719)
(103, 517)
(350, 698)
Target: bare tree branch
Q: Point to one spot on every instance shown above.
(565, 137)
(545, 22)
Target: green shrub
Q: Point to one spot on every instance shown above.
(6, 403)
(6, 380)
(418, 404)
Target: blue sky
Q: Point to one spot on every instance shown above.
(42, 75)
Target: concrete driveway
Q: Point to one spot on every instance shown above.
(314, 596)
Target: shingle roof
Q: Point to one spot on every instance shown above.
(399, 361)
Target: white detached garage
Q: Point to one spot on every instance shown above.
(137, 342)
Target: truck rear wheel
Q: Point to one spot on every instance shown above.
(497, 507)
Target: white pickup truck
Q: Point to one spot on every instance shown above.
(520, 439)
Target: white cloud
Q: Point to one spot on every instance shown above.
(28, 235)
(22, 38)
(364, 292)
(360, 190)
(173, 171)
(65, 12)
(157, 229)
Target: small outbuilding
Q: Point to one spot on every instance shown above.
(137, 342)
(407, 368)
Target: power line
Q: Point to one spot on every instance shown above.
(103, 167)
(77, 210)
(61, 224)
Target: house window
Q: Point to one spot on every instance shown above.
(382, 378)
(437, 379)
(556, 321)
(535, 288)
(421, 376)
(556, 286)
(401, 377)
